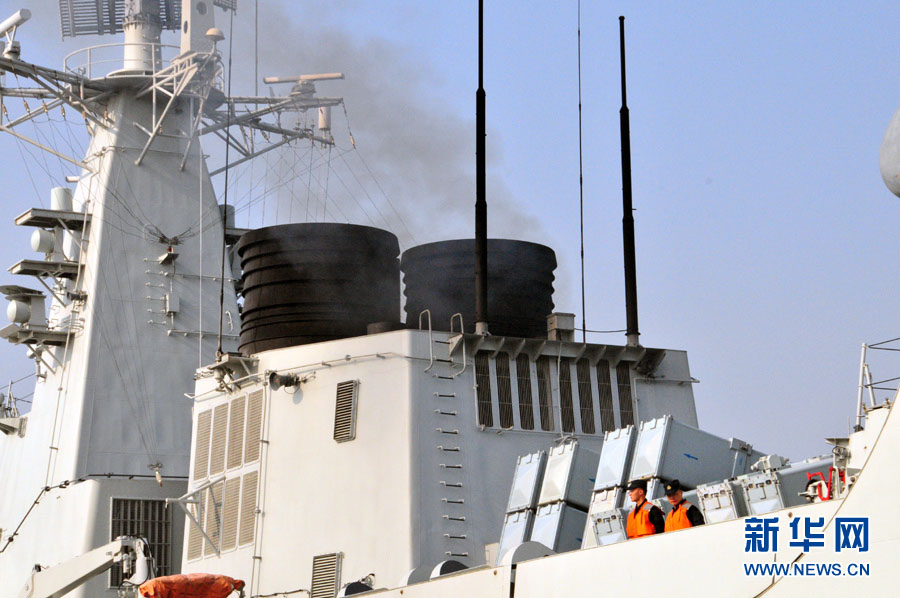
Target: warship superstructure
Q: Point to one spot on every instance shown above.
(287, 427)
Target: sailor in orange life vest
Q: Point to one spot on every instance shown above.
(646, 519)
(683, 513)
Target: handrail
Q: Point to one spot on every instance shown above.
(462, 330)
(430, 340)
(87, 67)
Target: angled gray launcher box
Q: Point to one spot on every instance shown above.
(559, 526)
(569, 475)
(670, 450)
(516, 529)
(721, 501)
(773, 489)
(608, 527)
(527, 482)
(601, 501)
(615, 458)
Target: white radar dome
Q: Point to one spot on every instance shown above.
(889, 160)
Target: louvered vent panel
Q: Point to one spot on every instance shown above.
(604, 387)
(523, 379)
(566, 406)
(483, 389)
(230, 513)
(345, 410)
(248, 508)
(545, 393)
(326, 575)
(254, 426)
(213, 517)
(195, 537)
(585, 396)
(217, 443)
(504, 390)
(236, 433)
(626, 411)
(201, 448)
(146, 519)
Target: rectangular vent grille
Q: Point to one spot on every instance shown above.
(585, 396)
(345, 410)
(201, 450)
(626, 411)
(545, 393)
(566, 406)
(326, 575)
(236, 433)
(254, 426)
(604, 387)
(504, 390)
(523, 379)
(248, 508)
(219, 435)
(148, 519)
(195, 536)
(230, 513)
(213, 517)
(483, 389)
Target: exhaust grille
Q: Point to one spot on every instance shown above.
(345, 411)
(566, 406)
(326, 575)
(545, 393)
(219, 433)
(483, 389)
(626, 411)
(236, 433)
(148, 519)
(230, 513)
(523, 379)
(254, 426)
(195, 536)
(201, 450)
(248, 508)
(504, 390)
(585, 396)
(213, 517)
(604, 388)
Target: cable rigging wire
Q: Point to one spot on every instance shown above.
(581, 184)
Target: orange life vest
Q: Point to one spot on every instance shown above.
(192, 585)
(678, 518)
(638, 523)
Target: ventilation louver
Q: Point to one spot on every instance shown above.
(345, 411)
(326, 575)
(201, 450)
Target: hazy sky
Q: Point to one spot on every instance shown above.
(766, 242)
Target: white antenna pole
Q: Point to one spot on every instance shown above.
(859, 397)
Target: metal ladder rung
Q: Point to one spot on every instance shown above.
(451, 466)
(443, 377)
(451, 484)
(442, 342)
(449, 553)
(449, 449)
(445, 395)
(455, 536)
(443, 431)
(451, 518)
(451, 413)
(453, 501)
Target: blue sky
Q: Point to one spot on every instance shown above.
(766, 242)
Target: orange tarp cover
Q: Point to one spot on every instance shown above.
(192, 585)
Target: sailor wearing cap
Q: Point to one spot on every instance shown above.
(646, 518)
(683, 514)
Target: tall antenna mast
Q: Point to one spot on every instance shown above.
(631, 312)
(481, 324)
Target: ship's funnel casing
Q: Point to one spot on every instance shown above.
(440, 277)
(313, 282)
